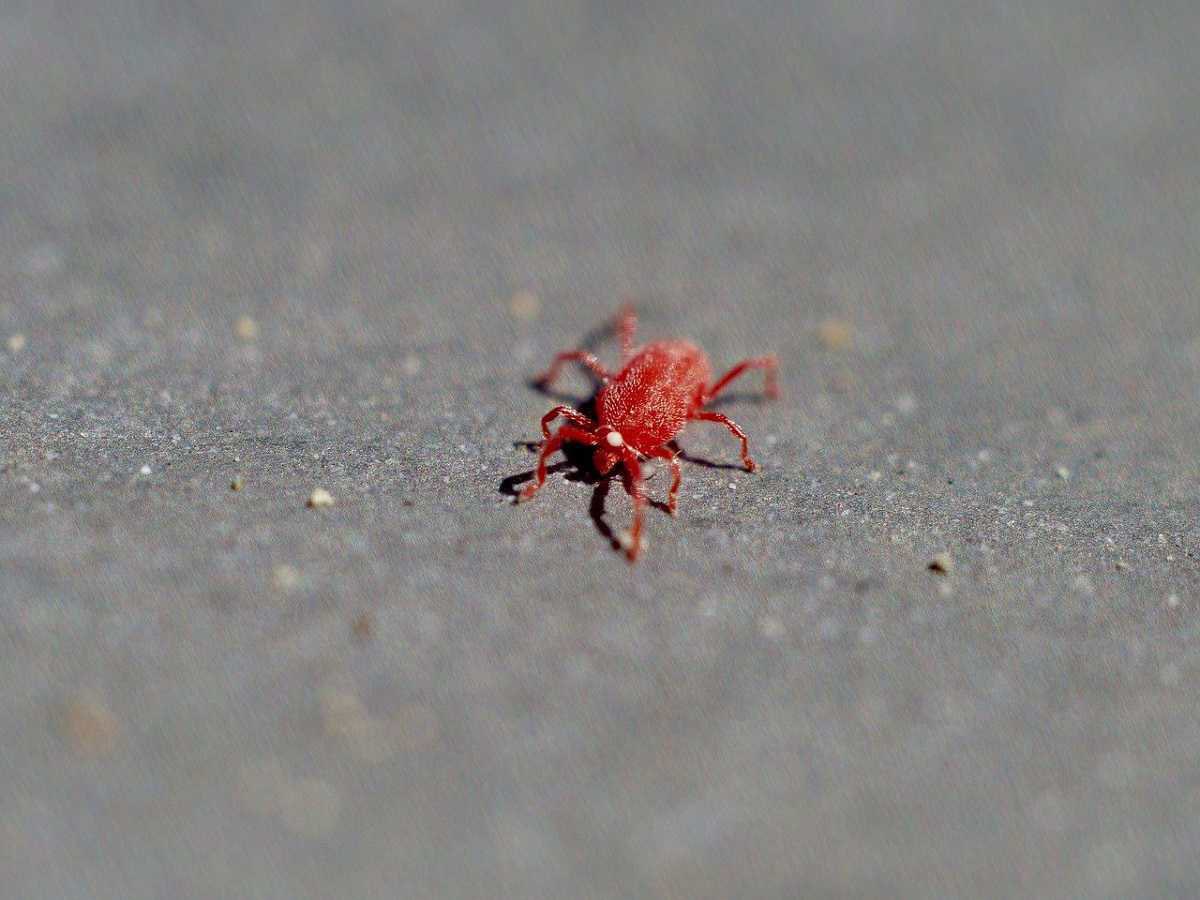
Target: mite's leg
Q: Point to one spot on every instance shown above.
(704, 416)
(636, 488)
(769, 363)
(580, 356)
(626, 328)
(566, 412)
(565, 434)
(676, 475)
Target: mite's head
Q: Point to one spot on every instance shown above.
(608, 453)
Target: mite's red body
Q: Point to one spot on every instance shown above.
(641, 409)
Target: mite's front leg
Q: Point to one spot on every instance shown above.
(549, 448)
(636, 487)
(567, 412)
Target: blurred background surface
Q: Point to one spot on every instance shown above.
(299, 245)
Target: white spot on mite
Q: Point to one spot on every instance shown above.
(614, 439)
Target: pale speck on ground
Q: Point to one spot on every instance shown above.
(525, 305)
(319, 498)
(835, 334)
(89, 726)
(246, 328)
(285, 577)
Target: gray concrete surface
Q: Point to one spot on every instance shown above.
(281, 241)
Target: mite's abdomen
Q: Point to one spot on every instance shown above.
(648, 402)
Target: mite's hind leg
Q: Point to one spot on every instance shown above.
(626, 328)
(549, 447)
(768, 363)
(676, 475)
(582, 357)
(737, 432)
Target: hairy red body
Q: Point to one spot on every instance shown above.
(641, 409)
(649, 400)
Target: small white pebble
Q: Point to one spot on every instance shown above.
(145, 470)
(1173, 601)
(34, 487)
(319, 498)
(1063, 472)
(906, 404)
(16, 343)
(732, 486)
(984, 456)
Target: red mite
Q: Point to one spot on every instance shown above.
(661, 387)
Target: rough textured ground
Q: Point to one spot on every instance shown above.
(285, 242)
